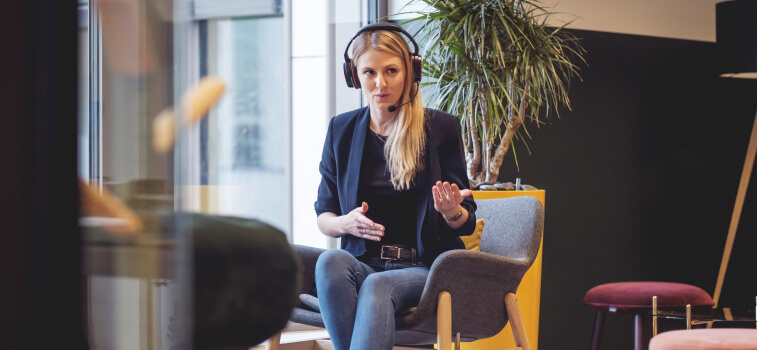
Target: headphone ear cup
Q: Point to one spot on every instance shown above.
(350, 75)
(417, 68)
(355, 80)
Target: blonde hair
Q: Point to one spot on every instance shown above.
(406, 143)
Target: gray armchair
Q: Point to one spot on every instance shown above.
(468, 293)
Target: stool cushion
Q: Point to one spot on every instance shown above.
(695, 339)
(635, 297)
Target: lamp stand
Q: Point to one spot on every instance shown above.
(745, 175)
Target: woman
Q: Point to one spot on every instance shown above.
(393, 187)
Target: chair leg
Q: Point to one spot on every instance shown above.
(516, 321)
(599, 323)
(638, 332)
(273, 342)
(444, 321)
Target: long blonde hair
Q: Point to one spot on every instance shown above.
(406, 143)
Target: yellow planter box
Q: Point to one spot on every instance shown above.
(528, 293)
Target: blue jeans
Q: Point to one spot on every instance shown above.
(358, 302)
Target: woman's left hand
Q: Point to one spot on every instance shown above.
(447, 198)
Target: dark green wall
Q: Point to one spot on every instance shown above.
(641, 178)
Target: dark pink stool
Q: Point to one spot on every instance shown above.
(715, 339)
(636, 298)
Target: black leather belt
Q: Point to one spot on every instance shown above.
(398, 252)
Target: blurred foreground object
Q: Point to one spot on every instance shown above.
(102, 203)
(163, 133)
(195, 104)
(197, 100)
(246, 279)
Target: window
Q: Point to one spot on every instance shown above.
(255, 155)
(260, 147)
(245, 147)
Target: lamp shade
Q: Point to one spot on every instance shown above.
(737, 38)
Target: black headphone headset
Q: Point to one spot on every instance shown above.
(350, 71)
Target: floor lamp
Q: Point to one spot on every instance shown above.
(737, 49)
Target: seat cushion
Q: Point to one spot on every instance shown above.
(308, 317)
(311, 302)
(473, 242)
(695, 339)
(635, 297)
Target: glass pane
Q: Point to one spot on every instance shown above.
(142, 161)
(133, 249)
(246, 143)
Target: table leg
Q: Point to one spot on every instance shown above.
(638, 339)
(597, 336)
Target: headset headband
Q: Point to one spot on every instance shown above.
(380, 26)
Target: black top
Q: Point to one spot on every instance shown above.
(442, 160)
(396, 210)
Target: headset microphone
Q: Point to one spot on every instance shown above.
(393, 108)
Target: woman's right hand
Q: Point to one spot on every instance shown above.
(357, 224)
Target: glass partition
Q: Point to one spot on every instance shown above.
(214, 108)
(243, 152)
(135, 256)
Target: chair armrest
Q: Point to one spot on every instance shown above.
(450, 264)
(478, 283)
(307, 257)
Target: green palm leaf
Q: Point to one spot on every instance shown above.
(495, 60)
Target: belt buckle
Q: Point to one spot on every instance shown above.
(399, 252)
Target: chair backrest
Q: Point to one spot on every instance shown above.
(512, 226)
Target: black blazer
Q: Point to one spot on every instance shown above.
(443, 161)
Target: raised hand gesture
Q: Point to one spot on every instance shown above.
(357, 224)
(447, 199)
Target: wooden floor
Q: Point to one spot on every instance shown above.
(313, 344)
(301, 337)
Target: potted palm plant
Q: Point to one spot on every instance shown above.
(496, 64)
